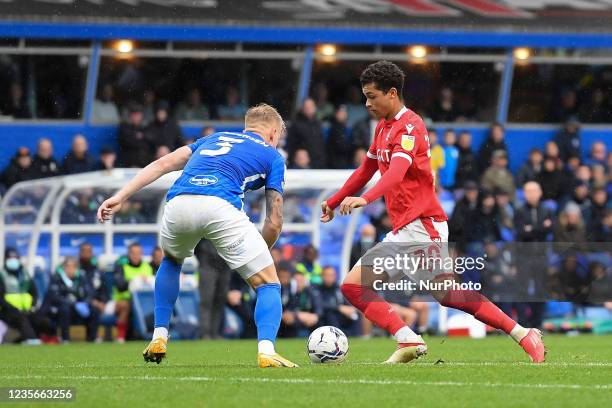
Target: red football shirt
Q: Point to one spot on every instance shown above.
(415, 197)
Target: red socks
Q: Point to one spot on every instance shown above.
(480, 307)
(121, 330)
(373, 307)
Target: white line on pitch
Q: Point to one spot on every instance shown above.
(316, 381)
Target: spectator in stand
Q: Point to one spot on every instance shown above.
(233, 109)
(464, 215)
(598, 154)
(498, 176)
(551, 180)
(531, 169)
(445, 109)
(156, 259)
(570, 227)
(451, 160)
(361, 134)
(17, 105)
(78, 159)
(43, 163)
(367, 239)
(309, 266)
(580, 197)
(164, 130)
(599, 178)
(437, 154)
(107, 159)
(335, 310)
(506, 211)
(88, 264)
(495, 141)
(303, 307)
(338, 147)
(20, 168)
(214, 285)
(192, 109)
(600, 208)
(485, 226)
(104, 109)
(306, 133)
(301, 160)
(69, 300)
(355, 106)
(568, 139)
(533, 222)
(596, 111)
(466, 167)
(148, 106)
(325, 110)
(134, 148)
(567, 109)
(128, 269)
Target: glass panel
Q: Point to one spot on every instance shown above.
(81, 206)
(25, 204)
(442, 92)
(196, 89)
(42, 86)
(142, 208)
(546, 93)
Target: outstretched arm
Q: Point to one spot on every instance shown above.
(170, 162)
(273, 224)
(355, 182)
(391, 179)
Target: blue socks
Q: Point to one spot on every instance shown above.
(166, 291)
(268, 312)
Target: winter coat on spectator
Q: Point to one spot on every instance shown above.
(361, 134)
(307, 134)
(597, 230)
(135, 150)
(466, 167)
(484, 226)
(45, 167)
(15, 173)
(464, 215)
(486, 152)
(167, 133)
(531, 223)
(526, 173)
(497, 178)
(74, 165)
(338, 147)
(551, 183)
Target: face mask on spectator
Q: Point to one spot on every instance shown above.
(13, 264)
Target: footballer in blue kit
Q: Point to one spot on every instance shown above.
(206, 202)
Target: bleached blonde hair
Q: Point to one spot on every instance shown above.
(263, 114)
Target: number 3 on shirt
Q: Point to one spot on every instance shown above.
(225, 143)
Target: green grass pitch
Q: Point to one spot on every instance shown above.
(457, 372)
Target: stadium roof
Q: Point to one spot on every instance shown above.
(383, 21)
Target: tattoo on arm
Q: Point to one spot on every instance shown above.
(274, 208)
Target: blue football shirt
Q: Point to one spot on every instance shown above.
(228, 164)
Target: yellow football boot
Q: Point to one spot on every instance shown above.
(273, 360)
(155, 351)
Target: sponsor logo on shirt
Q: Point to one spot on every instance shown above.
(203, 180)
(408, 142)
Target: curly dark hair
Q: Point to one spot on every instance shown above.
(384, 75)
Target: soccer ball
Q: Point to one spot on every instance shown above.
(327, 344)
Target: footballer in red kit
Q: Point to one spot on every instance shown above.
(401, 152)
